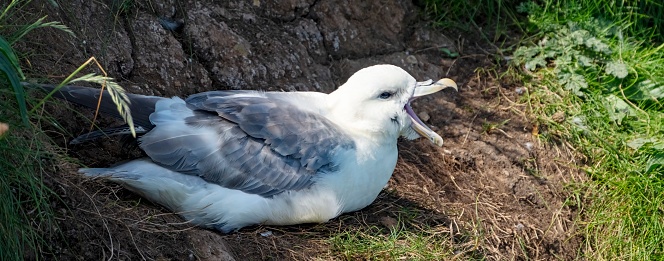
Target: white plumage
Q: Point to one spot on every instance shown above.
(231, 159)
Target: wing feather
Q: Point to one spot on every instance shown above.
(260, 143)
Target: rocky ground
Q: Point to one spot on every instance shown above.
(494, 188)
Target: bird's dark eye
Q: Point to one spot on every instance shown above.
(385, 95)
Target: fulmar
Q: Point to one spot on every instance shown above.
(230, 159)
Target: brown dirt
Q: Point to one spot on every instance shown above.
(496, 191)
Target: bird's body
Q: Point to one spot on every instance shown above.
(230, 159)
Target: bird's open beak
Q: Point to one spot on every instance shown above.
(421, 89)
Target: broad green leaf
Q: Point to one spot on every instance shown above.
(573, 82)
(617, 108)
(597, 45)
(550, 54)
(526, 52)
(645, 90)
(584, 61)
(578, 37)
(655, 162)
(564, 61)
(617, 69)
(639, 142)
(528, 7)
(534, 62)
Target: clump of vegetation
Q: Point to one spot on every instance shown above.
(25, 213)
(376, 243)
(26, 217)
(601, 72)
(601, 64)
(590, 48)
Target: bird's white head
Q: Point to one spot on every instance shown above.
(375, 101)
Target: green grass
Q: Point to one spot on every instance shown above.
(25, 206)
(26, 217)
(406, 238)
(610, 80)
(601, 63)
(377, 243)
(25, 213)
(606, 75)
(623, 198)
(468, 14)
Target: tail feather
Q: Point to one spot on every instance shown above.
(151, 181)
(122, 130)
(140, 106)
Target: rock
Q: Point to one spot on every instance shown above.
(427, 38)
(422, 70)
(286, 10)
(361, 29)
(308, 34)
(258, 56)
(389, 222)
(209, 245)
(167, 75)
(424, 116)
(411, 59)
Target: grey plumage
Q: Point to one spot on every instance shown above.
(286, 128)
(266, 144)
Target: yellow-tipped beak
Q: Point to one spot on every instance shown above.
(426, 88)
(429, 87)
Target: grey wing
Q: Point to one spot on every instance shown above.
(249, 141)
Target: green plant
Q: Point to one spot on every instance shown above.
(488, 127)
(374, 243)
(584, 59)
(584, 47)
(25, 212)
(117, 93)
(11, 72)
(9, 65)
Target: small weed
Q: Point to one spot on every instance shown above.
(449, 53)
(488, 127)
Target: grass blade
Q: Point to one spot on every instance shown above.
(11, 72)
(6, 49)
(39, 24)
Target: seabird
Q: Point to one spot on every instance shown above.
(230, 159)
